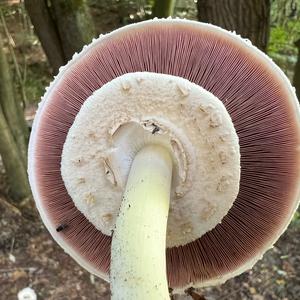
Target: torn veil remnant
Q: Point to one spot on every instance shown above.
(225, 115)
(203, 188)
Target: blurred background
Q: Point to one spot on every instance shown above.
(36, 38)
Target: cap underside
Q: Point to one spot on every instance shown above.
(260, 102)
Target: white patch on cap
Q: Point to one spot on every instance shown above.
(143, 108)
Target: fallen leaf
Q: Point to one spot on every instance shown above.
(18, 274)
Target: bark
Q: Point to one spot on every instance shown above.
(13, 133)
(163, 8)
(63, 28)
(46, 30)
(74, 25)
(11, 108)
(296, 80)
(14, 168)
(249, 18)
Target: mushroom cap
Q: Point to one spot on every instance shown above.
(265, 113)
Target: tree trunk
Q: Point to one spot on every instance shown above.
(249, 18)
(63, 28)
(14, 167)
(12, 110)
(13, 133)
(163, 8)
(296, 80)
(46, 30)
(74, 25)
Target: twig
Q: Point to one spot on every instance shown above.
(192, 292)
(30, 269)
(10, 207)
(12, 245)
(24, 71)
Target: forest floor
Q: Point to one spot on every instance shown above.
(30, 257)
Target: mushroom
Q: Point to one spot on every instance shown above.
(166, 153)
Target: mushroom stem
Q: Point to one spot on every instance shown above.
(138, 253)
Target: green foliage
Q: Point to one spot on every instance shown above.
(282, 38)
(37, 79)
(285, 30)
(296, 218)
(285, 27)
(278, 40)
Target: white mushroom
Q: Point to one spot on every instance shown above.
(182, 140)
(143, 132)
